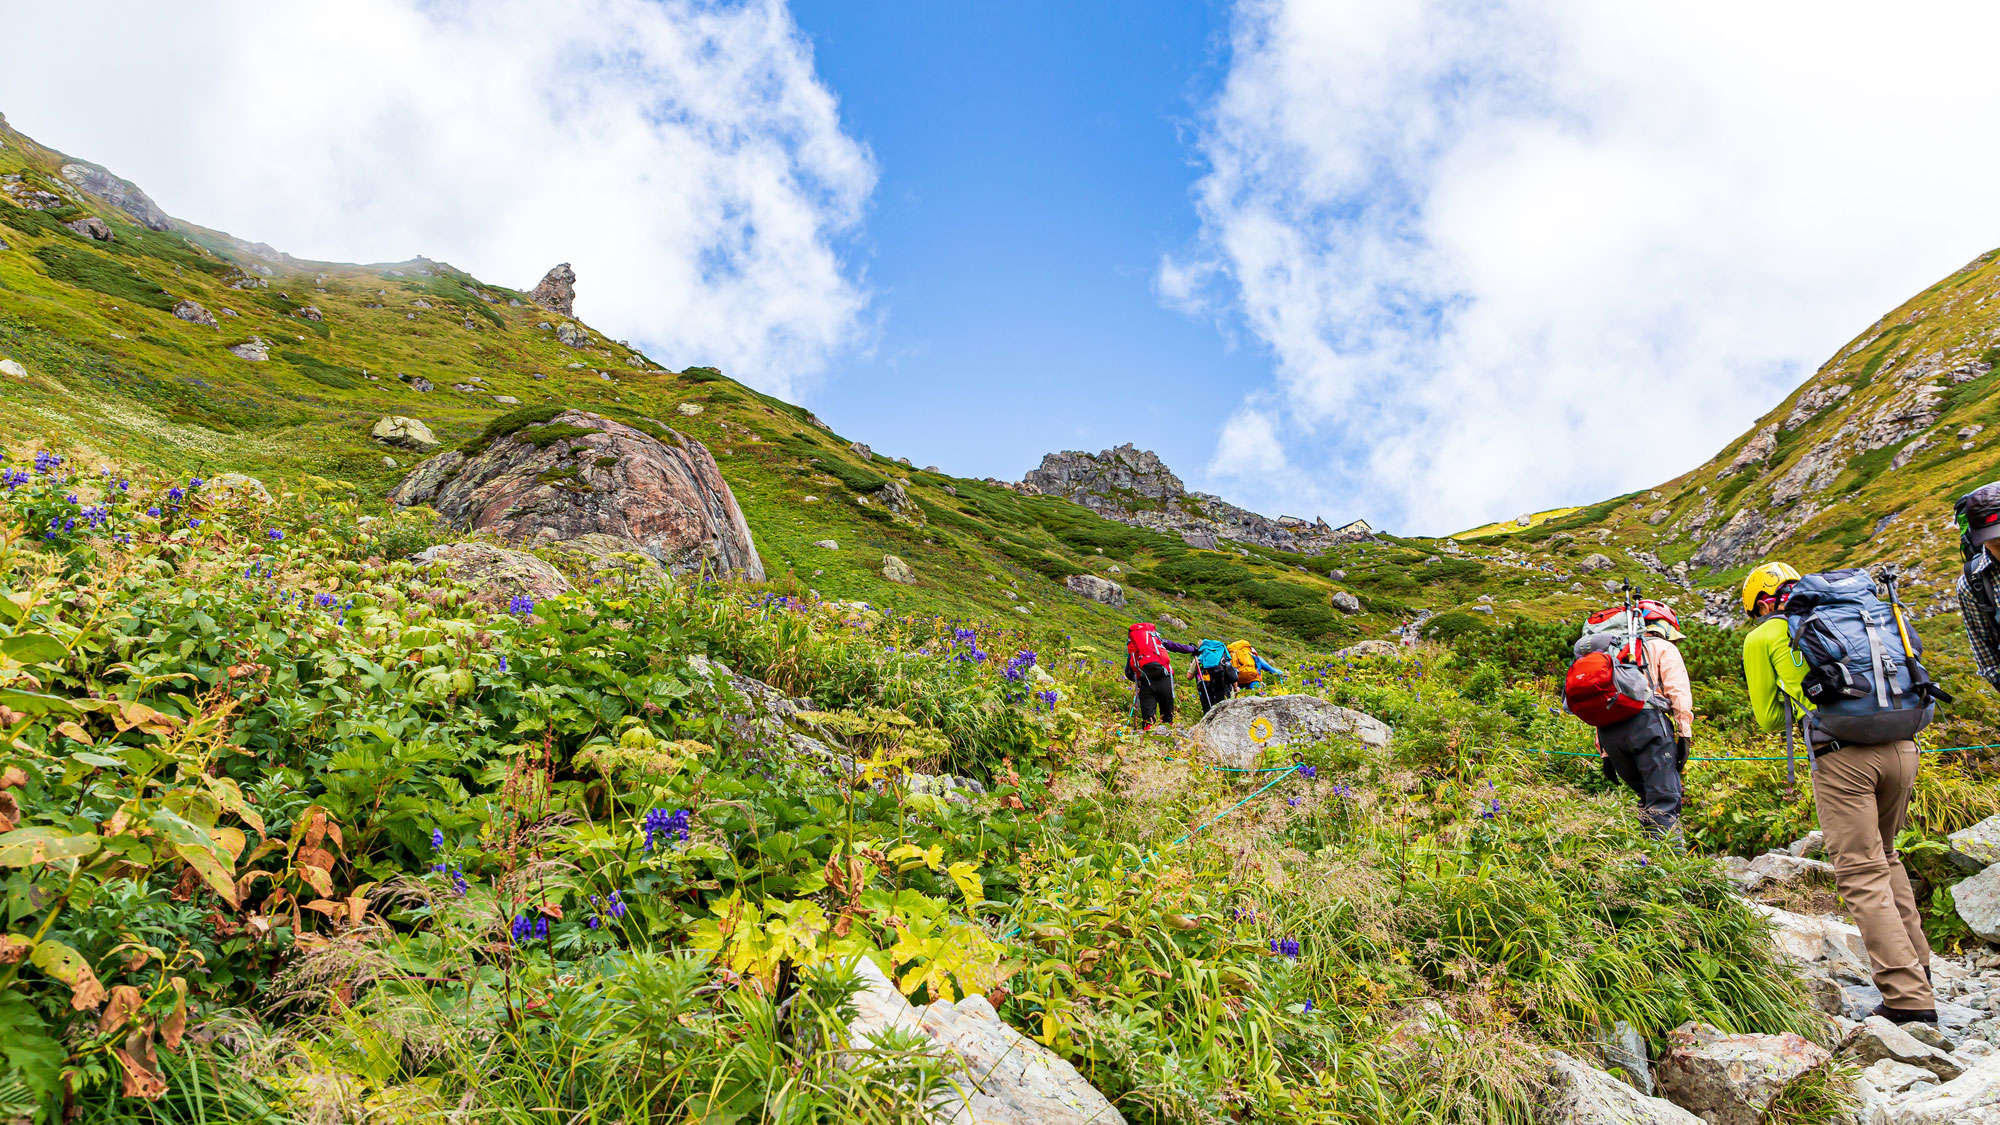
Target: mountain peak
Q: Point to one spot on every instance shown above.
(557, 290)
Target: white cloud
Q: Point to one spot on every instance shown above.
(683, 155)
(1513, 255)
(1249, 444)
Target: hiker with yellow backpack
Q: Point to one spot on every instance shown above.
(1827, 647)
(1251, 666)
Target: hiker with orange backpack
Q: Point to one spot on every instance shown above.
(1151, 670)
(1630, 682)
(1251, 666)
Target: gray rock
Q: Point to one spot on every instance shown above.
(404, 433)
(861, 451)
(826, 544)
(193, 313)
(1625, 1054)
(1892, 1077)
(1782, 870)
(1979, 843)
(999, 1076)
(1100, 590)
(120, 193)
(1172, 622)
(1368, 648)
(422, 385)
(309, 312)
(896, 570)
(1337, 575)
(496, 575)
(1818, 943)
(571, 335)
(1877, 1039)
(9, 367)
(1977, 901)
(1579, 1094)
(238, 485)
(1346, 602)
(896, 498)
(1827, 995)
(689, 408)
(1810, 845)
(254, 350)
(506, 400)
(556, 291)
(1238, 733)
(1731, 1079)
(1595, 562)
(1973, 1098)
(611, 479)
(90, 226)
(1200, 541)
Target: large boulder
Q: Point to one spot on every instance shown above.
(998, 1076)
(1977, 901)
(496, 575)
(254, 349)
(1817, 943)
(1579, 1094)
(194, 313)
(1780, 869)
(1731, 1079)
(1100, 590)
(90, 226)
(1346, 602)
(581, 473)
(556, 291)
(1237, 732)
(898, 571)
(404, 433)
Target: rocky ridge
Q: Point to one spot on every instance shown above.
(1134, 486)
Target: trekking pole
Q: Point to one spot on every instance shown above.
(1791, 771)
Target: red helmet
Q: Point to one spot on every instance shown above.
(1651, 611)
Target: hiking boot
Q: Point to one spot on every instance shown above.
(1905, 1015)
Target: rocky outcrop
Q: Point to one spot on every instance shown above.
(1817, 398)
(898, 571)
(496, 575)
(254, 349)
(1346, 602)
(1239, 732)
(998, 1076)
(571, 335)
(556, 291)
(1754, 451)
(90, 226)
(1100, 590)
(1977, 846)
(1578, 1094)
(1134, 486)
(193, 313)
(581, 473)
(1878, 1039)
(1736, 541)
(404, 433)
(120, 193)
(1731, 1079)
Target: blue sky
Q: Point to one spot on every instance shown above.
(1034, 166)
(1402, 261)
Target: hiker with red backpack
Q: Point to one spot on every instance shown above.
(1827, 647)
(1151, 671)
(1630, 682)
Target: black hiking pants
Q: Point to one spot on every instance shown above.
(1213, 692)
(1640, 752)
(1155, 690)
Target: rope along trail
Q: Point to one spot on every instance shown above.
(1779, 758)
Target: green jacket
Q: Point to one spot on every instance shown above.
(1770, 663)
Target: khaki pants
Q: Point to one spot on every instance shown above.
(1863, 795)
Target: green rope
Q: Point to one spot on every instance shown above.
(1225, 812)
(1779, 758)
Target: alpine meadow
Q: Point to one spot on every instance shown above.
(418, 706)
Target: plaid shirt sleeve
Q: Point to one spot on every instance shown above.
(1981, 631)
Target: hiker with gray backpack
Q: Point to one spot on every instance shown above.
(1829, 649)
(1978, 516)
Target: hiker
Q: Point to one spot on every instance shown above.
(1151, 671)
(1978, 515)
(1214, 673)
(1250, 666)
(1860, 790)
(1649, 757)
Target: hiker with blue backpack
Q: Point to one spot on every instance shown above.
(1827, 648)
(1214, 673)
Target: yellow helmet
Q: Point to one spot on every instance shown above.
(1764, 582)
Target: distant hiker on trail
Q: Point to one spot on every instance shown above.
(1151, 671)
(1826, 647)
(1214, 674)
(1978, 515)
(1629, 681)
(1250, 666)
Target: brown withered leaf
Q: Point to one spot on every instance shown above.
(141, 1079)
(125, 1002)
(13, 947)
(10, 811)
(13, 777)
(176, 1024)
